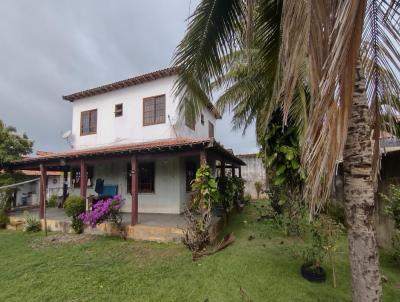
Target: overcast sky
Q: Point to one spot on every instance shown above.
(52, 48)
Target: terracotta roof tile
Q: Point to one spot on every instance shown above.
(155, 75)
(151, 146)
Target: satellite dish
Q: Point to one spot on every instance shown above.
(66, 134)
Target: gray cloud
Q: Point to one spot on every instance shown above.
(51, 48)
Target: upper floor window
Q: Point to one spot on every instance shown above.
(154, 110)
(210, 129)
(190, 120)
(118, 110)
(89, 122)
(202, 119)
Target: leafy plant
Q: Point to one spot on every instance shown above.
(280, 152)
(325, 234)
(396, 246)
(314, 253)
(52, 203)
(32, 224)
(3, 218)
(225, 189)
(330, 231)
(74, 206)
(198, 212)
(258, 186)
(392, 208)
(105, 210)
(335, 210)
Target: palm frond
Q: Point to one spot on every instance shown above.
(212, 32)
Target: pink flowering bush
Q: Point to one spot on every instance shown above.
(104, 210)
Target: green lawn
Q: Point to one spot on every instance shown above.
(109, 269)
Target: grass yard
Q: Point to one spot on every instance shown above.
(108, 269)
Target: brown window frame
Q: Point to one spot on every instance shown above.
(211, 128)
(140, 178)
(119, 110)
(76, 176)
(155, 110)
(90, 122)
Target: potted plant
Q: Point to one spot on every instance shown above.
(313, 256)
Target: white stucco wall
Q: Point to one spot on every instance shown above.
(251, 173)
(129, 127)
(169, 182)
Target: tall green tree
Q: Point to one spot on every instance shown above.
(12, 147)
(347, 53)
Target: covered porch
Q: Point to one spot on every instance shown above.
(152, 204)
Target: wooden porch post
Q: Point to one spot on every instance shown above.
(233, 170)
(134, 190)
(240, 171)
(42, 189)
(203, 157)
(222, 168)
(83, 183)
(65, 186)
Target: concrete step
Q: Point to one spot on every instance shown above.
(15, 227)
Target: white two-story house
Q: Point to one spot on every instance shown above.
(128, 138)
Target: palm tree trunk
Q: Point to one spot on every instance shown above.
(359, 199)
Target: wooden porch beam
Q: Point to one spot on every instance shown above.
(83, 182)
(134, 190)
(222, 168)
(65, 185)
(42, 189)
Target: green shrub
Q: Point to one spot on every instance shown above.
(198, 214)
(247, 197)
(335, 210)
(393, 210)
(393, 204)
(32, 224)
(74, 206)
(396, 247)
(53, 201)
(3, 218)
(258, 186)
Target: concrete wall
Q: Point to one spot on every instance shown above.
(169, 192)
(389, 174)
(129, 127)
(253, 171)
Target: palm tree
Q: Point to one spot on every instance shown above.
(346, 50)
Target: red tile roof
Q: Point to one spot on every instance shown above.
(155, 75)
(151, 146)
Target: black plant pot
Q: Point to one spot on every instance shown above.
(313, 273)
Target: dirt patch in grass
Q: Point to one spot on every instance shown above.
(61, 239)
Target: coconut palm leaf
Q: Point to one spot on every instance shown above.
(212, 32)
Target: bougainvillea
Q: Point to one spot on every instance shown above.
(103, 210)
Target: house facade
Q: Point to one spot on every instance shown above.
(129, 138)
